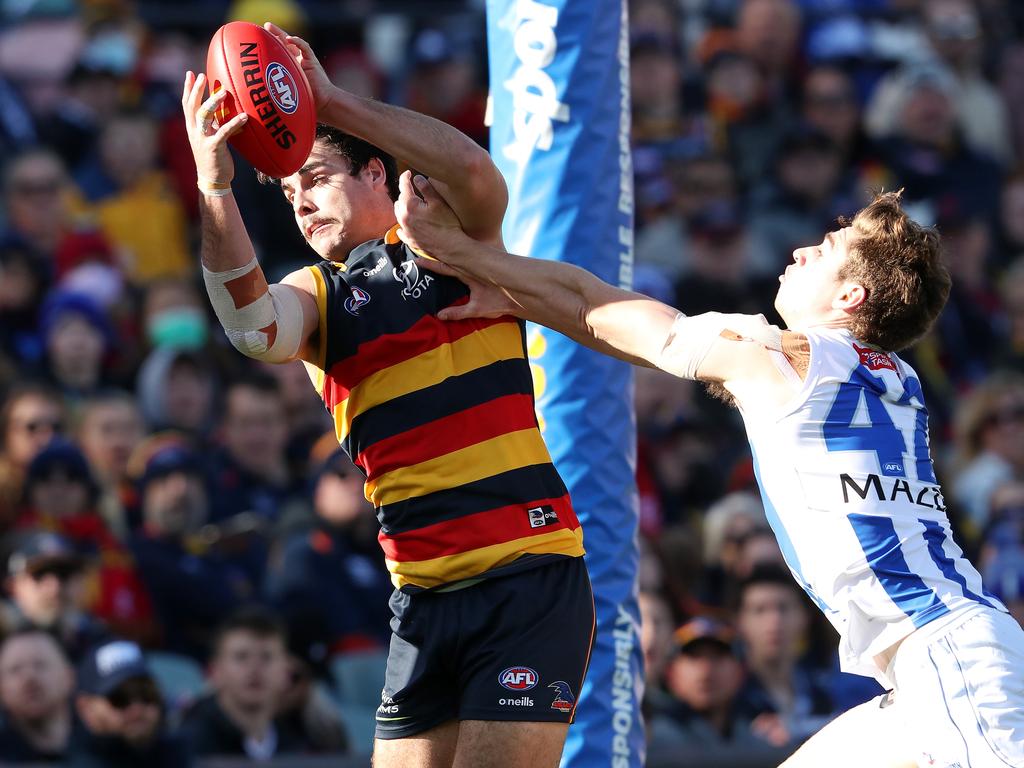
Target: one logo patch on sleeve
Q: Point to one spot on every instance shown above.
(356, 301)
(874, 360)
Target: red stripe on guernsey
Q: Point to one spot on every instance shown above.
(500, 416)
(481, 529)
(382, 352)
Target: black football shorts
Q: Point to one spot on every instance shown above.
(513, 647)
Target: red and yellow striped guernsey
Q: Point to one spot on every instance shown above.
(440, 418)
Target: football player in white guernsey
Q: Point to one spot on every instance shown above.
(839, 433)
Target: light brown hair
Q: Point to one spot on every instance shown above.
(899, 264)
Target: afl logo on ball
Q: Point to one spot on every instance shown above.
(282, 88)
(518, 678)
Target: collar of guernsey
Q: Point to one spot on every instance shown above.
(456, 564)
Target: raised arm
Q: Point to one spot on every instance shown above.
(276, 322)
(732, 349)
(462, 171)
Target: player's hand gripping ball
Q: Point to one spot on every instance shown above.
(264, 81)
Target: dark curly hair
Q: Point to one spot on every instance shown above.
(358, 152)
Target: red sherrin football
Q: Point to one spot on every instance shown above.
(263, 80)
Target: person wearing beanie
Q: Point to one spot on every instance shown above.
(60, 496)
(192, 586)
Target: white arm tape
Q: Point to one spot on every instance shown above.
(247, 327)
(691, 338)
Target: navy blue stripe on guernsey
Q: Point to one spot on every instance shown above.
(447, 290)
(453, 395)
(881, 544)
(537, 481)
(936, 537)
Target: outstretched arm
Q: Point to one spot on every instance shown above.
(268, 322)
(462, 171)
(570, 300)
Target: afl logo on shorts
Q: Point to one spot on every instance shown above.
(357, 300)
(518, 679)
(282, 88)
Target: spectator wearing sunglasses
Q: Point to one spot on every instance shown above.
(31, 415)
(60, 496)
(45, 583)
(122, 711)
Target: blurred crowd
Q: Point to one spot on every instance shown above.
(190, 566)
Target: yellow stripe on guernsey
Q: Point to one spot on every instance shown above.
(444, 570)
(316, 373)
(475, 462)
(480, 348)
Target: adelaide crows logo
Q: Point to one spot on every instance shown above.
(564, 700)
(358, 299)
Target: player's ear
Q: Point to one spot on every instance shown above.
(850, 296)
(376, 173)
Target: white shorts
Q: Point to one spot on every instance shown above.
(960, 691)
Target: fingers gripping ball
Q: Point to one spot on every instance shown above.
(264, 81)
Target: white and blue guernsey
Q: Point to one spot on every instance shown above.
(850, 491)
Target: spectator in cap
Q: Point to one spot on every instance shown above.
(703, 679)
(36, 682)
(122, 712)
(191, 585)
(784, 700)
(249, 675)
(30, 417)
(335, 570)
(46, 582)
(61, 497)
(77, 337)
